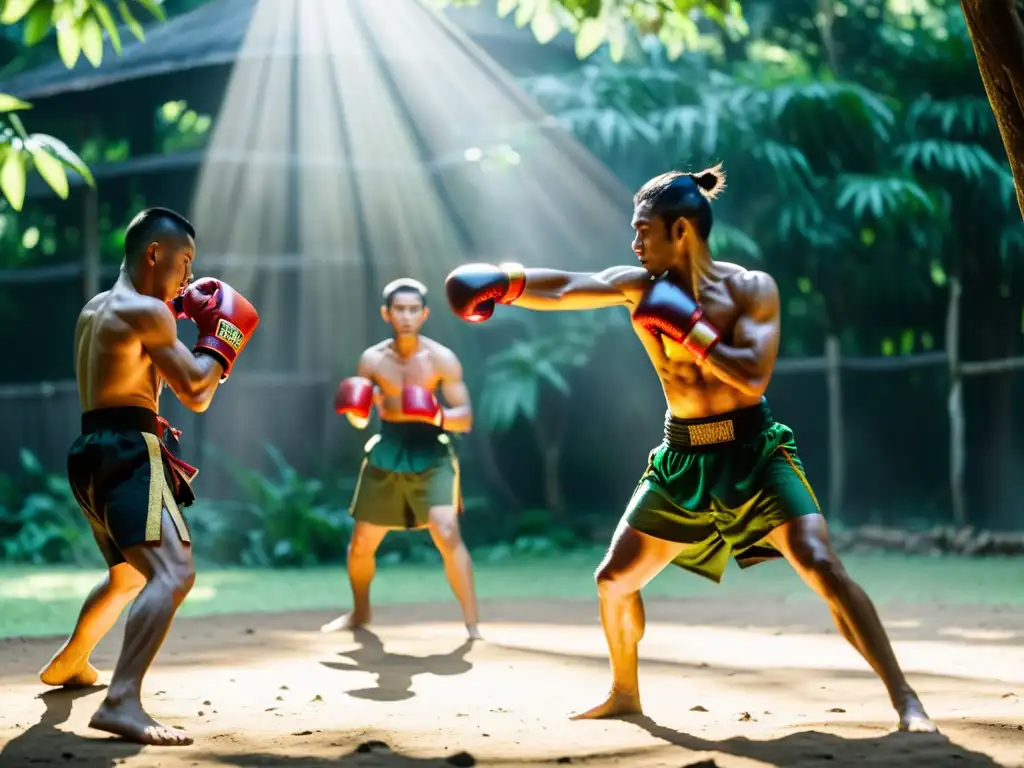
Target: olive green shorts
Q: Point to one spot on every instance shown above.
(723, 498)
(407, 470)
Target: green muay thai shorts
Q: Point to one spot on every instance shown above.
(720, 485)
(408, 468)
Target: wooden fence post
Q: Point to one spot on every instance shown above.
(957, 453)
(836, 444)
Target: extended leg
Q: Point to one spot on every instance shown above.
(362, 565)
(169, 574)
(805, 543)
(70, 665)
(458, 566)
(633, 559)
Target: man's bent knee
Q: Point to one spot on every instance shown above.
(444, 524)
(614, 581)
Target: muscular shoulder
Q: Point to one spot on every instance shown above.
(753, 289)
(371, 357)
(631, 280)
(141, 313)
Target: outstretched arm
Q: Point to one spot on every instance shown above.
(473, 289)
(193, 377)
(553, 289)
(458, 413)
(747, 363)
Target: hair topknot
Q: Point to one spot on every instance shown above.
(710, 181)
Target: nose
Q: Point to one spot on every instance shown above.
(636, 245)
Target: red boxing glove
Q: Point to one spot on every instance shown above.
(354, 399)
(667, 309)
(225, 318)
(421, 404)
(474, 288)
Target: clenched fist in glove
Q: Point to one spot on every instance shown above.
(474, 288)
(354, 399)
(225, 318)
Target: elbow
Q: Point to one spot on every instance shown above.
(197, 396)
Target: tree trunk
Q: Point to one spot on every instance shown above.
(998, 39)
(551, 453)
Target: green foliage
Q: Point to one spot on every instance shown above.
(287, 520)
(595, 23)
(80, 26)
(518, 375)
(180, 128)
(40, 521)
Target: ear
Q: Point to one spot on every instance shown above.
(152, 252)
(384, 313)
(426, 313)
(678, 229)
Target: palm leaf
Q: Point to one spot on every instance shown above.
(882, 196)
(969, 161)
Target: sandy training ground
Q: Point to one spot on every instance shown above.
(732, 683)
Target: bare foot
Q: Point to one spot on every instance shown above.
(616, 704)
(351, 620)
(913, 718)
(474, 632)
(68, 671)
(130, 722)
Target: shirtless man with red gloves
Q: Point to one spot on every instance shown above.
(410, 473)
(727, 479)
(124, 470)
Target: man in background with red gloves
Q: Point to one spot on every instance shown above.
(410, 474)
(727, 479)
(122, 468)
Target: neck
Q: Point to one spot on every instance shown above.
(694, 268)
(406, 345)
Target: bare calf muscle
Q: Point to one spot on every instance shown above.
(711, 331)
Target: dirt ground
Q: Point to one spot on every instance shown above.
(737, 684)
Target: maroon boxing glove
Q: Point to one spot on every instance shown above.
(474, 288)
(225, 318)
(667, 309)
(354, 399)
(420, 404)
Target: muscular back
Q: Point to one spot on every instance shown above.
(690, 390)
(111, 365)
(390, 372)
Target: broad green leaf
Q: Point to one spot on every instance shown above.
(154, 8)
(65, 155)
(129, 19)
(91, 36)
(525, 10)
(544, 25)
(505, 7)
(107, 20)
(38, 22)
(13, 178)
(14, 10)
(591, 34)
(10, 103)
(50, 168)
(69, 44)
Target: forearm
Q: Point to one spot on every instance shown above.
(202, 382)
(736, 367)
(458, 419)
(556, 290)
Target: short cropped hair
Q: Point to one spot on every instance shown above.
(155, 225)
(677, 194)
(404, 285)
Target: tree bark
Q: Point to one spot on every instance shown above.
(997, 35)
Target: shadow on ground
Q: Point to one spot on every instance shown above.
(45, 742)
(395, 671)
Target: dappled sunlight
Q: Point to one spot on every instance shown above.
(272, 690)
